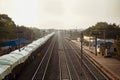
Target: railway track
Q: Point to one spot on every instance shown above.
(62, 61)
(68, 70)
(29, 69)
(72, 65)
(63, 67)
(40, 72)
(94, 72)
(75, 68)
(53, 72)
(80, 71)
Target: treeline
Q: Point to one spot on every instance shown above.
(9, 30)
(103, 29)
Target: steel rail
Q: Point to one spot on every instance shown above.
(87, 67)
(77, 55)
(78, 61)
(63, 61)
(94, 75)
(67, 67)
(66, 62)
(41, 61)
(106, 78)
(98, 68)
(60, 68)
(68, 71)
(73, 64)
(48, 61)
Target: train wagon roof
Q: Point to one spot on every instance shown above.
(4, 70)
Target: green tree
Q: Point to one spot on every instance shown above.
(24, 32)
(6, 27)
(103, 28)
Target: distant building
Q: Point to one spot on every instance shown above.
(109, 48)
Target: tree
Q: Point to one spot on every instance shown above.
(9, 30)
(111, 31)
(6, 27)
(25, 32)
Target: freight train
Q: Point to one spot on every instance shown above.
(12, 63)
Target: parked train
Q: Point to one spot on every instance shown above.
(11, 64)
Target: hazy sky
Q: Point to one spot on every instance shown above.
(61, 13)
